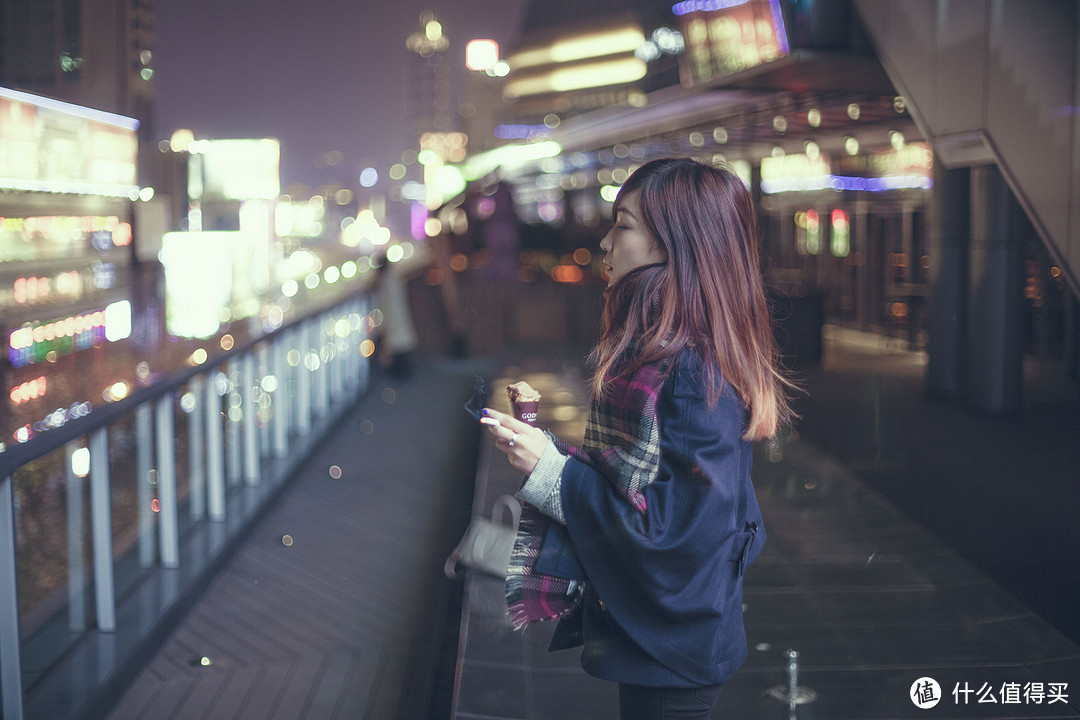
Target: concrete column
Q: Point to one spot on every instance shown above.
(994, 350)
(947, 244)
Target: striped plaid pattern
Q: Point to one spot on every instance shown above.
(622, 442)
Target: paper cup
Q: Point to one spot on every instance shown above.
(525, 411)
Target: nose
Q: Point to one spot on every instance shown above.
(605, 243)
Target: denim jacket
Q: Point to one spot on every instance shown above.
(663, 605)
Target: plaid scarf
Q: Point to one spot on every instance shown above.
(622, 442)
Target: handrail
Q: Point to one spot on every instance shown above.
(41, 445)
(328, 373)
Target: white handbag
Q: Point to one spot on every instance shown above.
(487, 543)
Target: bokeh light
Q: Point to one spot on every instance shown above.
(368, 177)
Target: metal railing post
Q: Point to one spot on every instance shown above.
(101, 528)
(215, 464)
(337, 371)
(10, 662)
(348, 372)
(166, 452)
(262, 369)
(280, 398)
(250, 409)
(234, 457)
(144, 471)
(73, 496)
(303, 380)
(322, 387)
(360, 363)
(196, 451)
(363, 376)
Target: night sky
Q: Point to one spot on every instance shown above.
(319, 75)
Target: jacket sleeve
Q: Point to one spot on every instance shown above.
(671, 576)
(543, 487)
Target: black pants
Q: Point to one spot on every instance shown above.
(649, 703)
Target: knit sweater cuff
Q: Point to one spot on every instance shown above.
(543, 487)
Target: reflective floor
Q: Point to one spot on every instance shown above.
(871, 601)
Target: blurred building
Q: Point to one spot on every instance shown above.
(67, 182)
(95, 53)
(429, 77)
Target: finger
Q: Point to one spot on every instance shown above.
(494, 414)
(507, 421)
(504, 443)
(503, 435)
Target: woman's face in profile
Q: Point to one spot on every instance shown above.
(628, 244)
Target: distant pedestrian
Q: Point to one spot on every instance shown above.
(396, 337)
(655, 517)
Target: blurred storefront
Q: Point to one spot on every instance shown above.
(67, 184)
(794, 98)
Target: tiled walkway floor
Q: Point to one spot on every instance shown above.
(871, 602)
(329, 607)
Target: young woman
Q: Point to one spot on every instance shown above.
(655, 516)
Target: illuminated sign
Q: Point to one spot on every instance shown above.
(612, 41)
(794, 165)
(728, 36)
(39, 341)
(841, 233)
(300, 219)
(481, 54)
(808, 232)
(52, 146)
(27, 239)
(915, 158)
(28, 290)
(907, 168)
(594, 74)
(211, 277)
(587, 60)
(235, 170)
(29, 390)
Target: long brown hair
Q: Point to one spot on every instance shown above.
(709, 293)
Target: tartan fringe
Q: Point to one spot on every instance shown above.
(530, 596)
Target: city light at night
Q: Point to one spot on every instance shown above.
(257, 258)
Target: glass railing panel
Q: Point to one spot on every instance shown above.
(54, 561)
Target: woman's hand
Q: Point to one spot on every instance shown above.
(522, 443)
